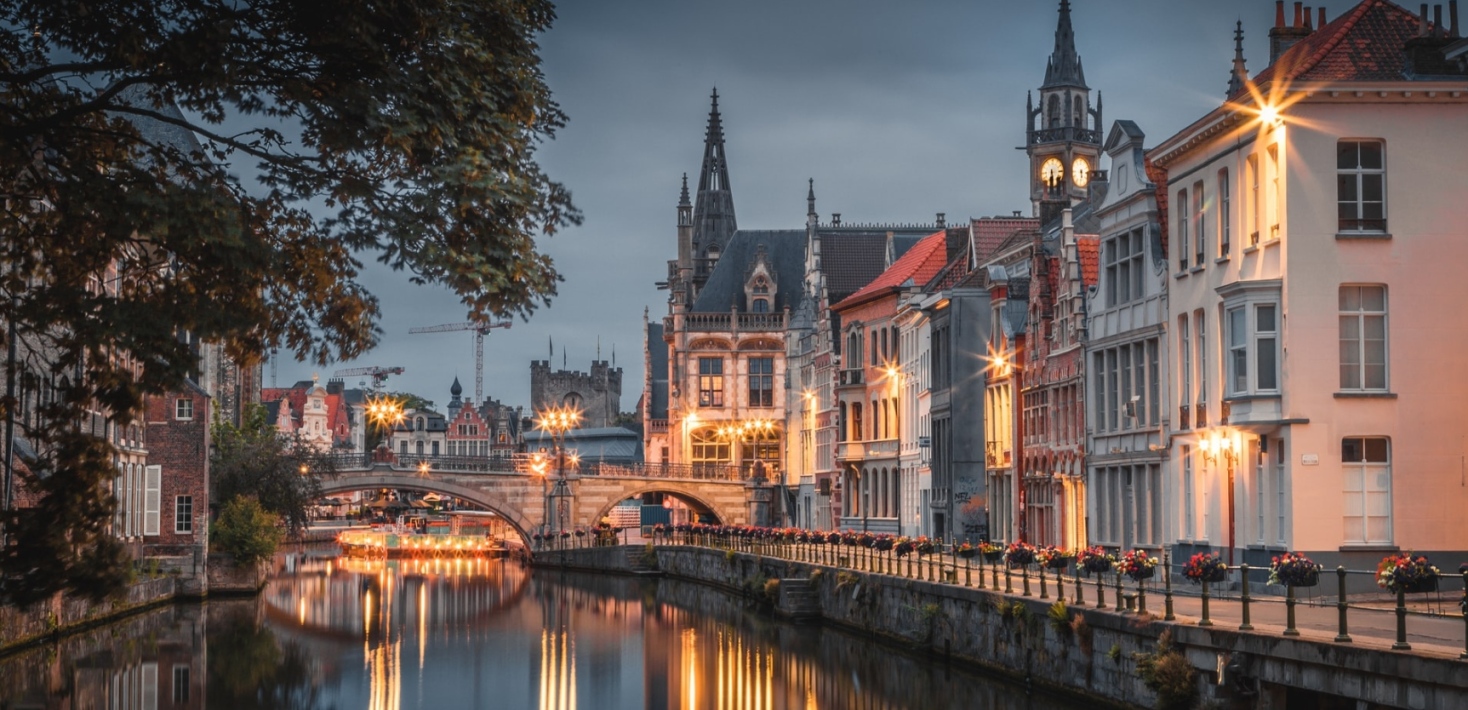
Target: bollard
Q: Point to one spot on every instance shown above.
(1205, 621)
(1100, 590)
(968, 573)
(1142, 597)
(1167, 585)
(1043, 593)
(1059, 586)
(1080, 599)
(1290, 629)
(1119, 604)
(993, 576)
(1244, 597)
(1340, 604)
(1007, 574)
(1401, 644)
(1024, 575)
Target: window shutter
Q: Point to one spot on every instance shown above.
(152, 499)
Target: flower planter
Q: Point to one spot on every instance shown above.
(1421, 586)
(994, 556)
(1058, 562)
(1141, 574)
(967, 554)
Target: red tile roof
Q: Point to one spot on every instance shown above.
(1368, 43)
(920, 264)
(990, 232)
(1089, 248)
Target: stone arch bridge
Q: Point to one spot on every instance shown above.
(511, 488)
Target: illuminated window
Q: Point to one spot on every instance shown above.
(708, 447)
(710, 382)
(761, 382)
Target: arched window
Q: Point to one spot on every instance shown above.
(708, 447)
(420, 424)
(761, 305)
(1054, 112)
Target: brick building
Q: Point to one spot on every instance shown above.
(176, 481)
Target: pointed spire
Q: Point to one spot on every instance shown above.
(683, 196)
(1064, 68)
(1239, 76)
(550, 341)
(456, 389)
(810, 199)
(713, 209)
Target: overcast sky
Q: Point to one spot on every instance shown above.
(898, 110)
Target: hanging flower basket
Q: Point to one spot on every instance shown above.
(966, 550)
(903, 547)
(1405, 573)
(991, 552)
(1019, 554)
(1095, 560)
(1138, 565)
(883, 543)
(1293, 569)
(924, 546)
(1205, 567)
(1052, 557)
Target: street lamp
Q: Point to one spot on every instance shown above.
(557, 421)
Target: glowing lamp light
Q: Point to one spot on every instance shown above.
(1269, 114)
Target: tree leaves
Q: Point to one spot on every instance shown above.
(218, 170)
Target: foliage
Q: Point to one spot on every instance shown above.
(218, 169)
(1205, 567)
(1019, 554)
(1053, 557)
(771, 590)
(1294, 569)
(254, 460)
(1406, 573)
(1083, 633)
(1060, 617)
(63, 541)
(649, 557)
(1114, 653)
(991, 551)
(846, 579)
(246, 531)
(965, 550)
(1167, 673)
(248, 667)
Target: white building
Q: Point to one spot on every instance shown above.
(1315, 232)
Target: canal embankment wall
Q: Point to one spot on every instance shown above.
(1084, 651)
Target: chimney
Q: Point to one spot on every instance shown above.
(1422, 21)
(1321, 23)
(1453, 18)
(835, 219)
(1437, 21)
(1308, 13)
(1282, 37)
(1425, 55)
(942, 220)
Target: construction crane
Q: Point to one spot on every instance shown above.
(378, 374)
(480, 330)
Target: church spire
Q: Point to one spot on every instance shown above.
(713, 209)
(1239, 76)
(1064, 68)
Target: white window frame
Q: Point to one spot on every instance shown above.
(1358, 318)
(1247, 300)
(1200, 222)
(1225, 219)
(1358, 176)
(183, 409)
(183, 524)
(1183, 220)
(1189, 504)
(1366, 478)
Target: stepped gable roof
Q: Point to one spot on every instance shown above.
(1088, 247)
(851, 259)
(657, 374)
(785, 250)
(1368, 43)
(918, 265)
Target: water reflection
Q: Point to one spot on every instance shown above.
(394, 634)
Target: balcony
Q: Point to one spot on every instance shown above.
(848, 451)
(731, 322)
(1066, 133)
(851, 378)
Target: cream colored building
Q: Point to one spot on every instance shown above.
(1316, 232)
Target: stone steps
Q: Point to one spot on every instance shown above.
(635, 561)
(798, 600)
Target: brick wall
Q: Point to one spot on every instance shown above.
(180, 445)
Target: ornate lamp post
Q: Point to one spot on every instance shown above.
(557, 421)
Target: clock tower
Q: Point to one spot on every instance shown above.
(1063, 133)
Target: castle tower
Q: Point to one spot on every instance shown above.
(598, 393)
(1065, 142)
(713, 208)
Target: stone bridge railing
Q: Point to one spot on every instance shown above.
(523, 464)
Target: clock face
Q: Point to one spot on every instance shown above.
(1080, 172)
(1052, 171)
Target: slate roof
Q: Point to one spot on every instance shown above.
(1368, 43)
(785, 249)
(918, 266)
(850, 260)
(657, 351)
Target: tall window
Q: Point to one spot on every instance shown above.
(1190, 507)
(1200, 328)
(1124, 267)
(1238, 350)
(1275, 208)
(1266, 346)
(152, 499)
(1224, 216)
(1200, 215)
(1251, 208)
(761, 382)
(1361, 186)
(1154, 383)
(1368, 490)
(1182, 230)
(1363, 338)
(710, 382)
(183, 515)
(1185, 370)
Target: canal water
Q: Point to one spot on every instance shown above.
(337, 633)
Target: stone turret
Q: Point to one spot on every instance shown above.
(598, 393)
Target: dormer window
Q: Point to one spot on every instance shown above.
(761, 286)
(759, 291)
(760, 305)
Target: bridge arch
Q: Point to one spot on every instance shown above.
(697, 501)
(517, 519)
